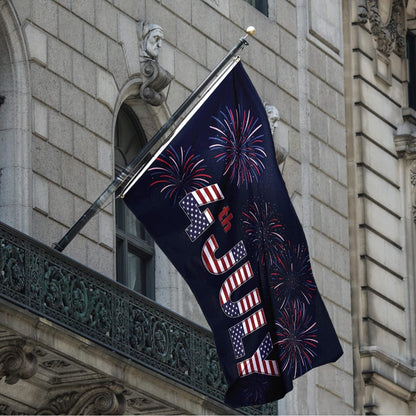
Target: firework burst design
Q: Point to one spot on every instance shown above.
(263, 230)
(238, 141)
(291, 278)
(296, 334)
(179, 172)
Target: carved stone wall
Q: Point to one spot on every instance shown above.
(382, 265)
(387, 24)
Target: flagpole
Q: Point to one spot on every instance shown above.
(140, 157)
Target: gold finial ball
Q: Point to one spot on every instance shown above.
(251, 30)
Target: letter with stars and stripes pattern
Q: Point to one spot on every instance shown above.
(200, 221)
(232, 283)
(226, 262)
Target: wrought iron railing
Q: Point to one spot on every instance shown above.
(51, 285)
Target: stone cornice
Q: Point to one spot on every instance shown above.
(388, 372)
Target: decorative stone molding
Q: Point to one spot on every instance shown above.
(7, 410)
(405, 137)
(274, 117)
(155, 78)
(389, 34)
(17, 362)
(99, 400)
(413, 182)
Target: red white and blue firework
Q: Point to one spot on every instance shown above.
(296, 334)
(238, 141)
(263, 230)
(179, 172)
(291, 277)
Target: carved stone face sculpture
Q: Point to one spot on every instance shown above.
(150, 36)
(273, 115)
(154, 42)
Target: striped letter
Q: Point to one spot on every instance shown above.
(219, 266)
(245, 327)
(200, 221)
(257, 363)
(232, 283)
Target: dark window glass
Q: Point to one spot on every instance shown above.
(135, 248)
(260, 5)
(411, 56)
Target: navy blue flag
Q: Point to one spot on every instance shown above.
(216, 204)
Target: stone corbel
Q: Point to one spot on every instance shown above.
(17, 362)
(155, 78)
(98, 400)
(405, 137)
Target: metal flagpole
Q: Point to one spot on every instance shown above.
(140, 157)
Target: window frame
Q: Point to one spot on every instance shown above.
(141, 246)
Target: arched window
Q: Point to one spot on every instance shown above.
(135, 248)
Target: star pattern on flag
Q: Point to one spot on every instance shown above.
(199, 221)
(239, 251)
(237, 333)
(266, 347)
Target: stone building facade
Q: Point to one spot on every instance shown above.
(337, 71)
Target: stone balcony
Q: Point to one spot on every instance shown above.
(75, 342)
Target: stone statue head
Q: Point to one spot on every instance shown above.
(151, 37)
(273, 116)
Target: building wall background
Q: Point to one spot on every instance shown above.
(66, 66)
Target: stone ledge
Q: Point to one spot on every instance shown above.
(389, 373)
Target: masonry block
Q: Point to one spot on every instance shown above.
(287, 77)
(106, 18)
(61, 205)
(60, 131)
(133, 8)
(71, 29)
(84, 9)
(46, 160)
(106, 230)
(206, 19)
(288, 47)
(40, 119)
(105, 161)
(73, 176)
(60, 58)
(40, 194)
(45, 85)
(85, 146)
(37, 43)
(222, 7)
(117, 64)
(84, 74)
(100, 259)
(45, 15)
(99, 118)
(191, 42)
(185, 70)
(72, 102)
(95, 45)
(107, 90)
(128, 37)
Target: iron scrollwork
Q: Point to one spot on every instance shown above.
(35, 277)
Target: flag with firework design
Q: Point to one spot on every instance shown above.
(216, 204)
